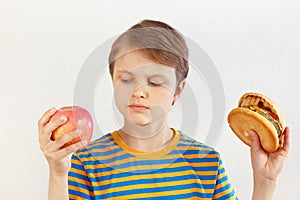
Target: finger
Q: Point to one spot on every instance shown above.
(54, 124)
(62, 153)
(46, 131)
(286, 139)
(45, 117)
(281, 139)
(68, 137)
(255, 142)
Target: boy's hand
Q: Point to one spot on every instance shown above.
(58, 160)
(267, 166)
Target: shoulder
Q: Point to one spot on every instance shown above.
(193, 145)
(99, 145)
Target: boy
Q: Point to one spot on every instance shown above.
(147, 159)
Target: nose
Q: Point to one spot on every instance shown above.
(140, 92)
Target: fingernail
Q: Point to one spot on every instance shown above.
(53, 109)
(84, 142)
(63, 118)
(251, 132)
(79, 131)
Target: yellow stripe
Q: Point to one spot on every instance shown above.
(116, 172)
(146, 167)
(152, 176)
(156, 185)
(135, 159)
(78, 180)
(171, 156)
(220, 185)
(82, 190)
(181, 148)
(199, 146)
(98, 144)
(164, 193)
(78, 171)
(71, 196)
(106, 137)
(223, 193)
(134, 168)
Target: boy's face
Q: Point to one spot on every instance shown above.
(144, 90)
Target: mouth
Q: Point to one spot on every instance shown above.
(138, 107)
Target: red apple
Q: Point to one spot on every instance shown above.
(77, 118)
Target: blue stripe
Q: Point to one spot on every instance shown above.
(108, 135)
(221, 180)
(202, 160)
(179, 196)
(154, 181)
(101, 146)
(79, 176)
(80, 185)
(151, 190)
(149, 162)
(195, 152)
(113, 159)
(147, 172)
(195, 146)
(188, 141)
(74, 157)
(101, 153)
(227, 196)
(107, 142)
(109, 169)
(221, 171)
(76, 166)
(201, 154)
(222, 189)
(79, 194)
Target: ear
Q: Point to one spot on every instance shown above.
(179, 90)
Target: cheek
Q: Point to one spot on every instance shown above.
(121, 97)
(164, 97)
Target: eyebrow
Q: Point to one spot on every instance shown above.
(150, 75)
(125, 71)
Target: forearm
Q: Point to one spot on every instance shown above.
(263, 189)
(58, 187)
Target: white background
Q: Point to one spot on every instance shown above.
(255, 46)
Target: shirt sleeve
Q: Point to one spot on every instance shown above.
(223, 189)
(79, 184)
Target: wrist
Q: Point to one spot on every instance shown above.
(259, 179)
(61, 171)
(58, 186)
(264, 188)
(58, 175)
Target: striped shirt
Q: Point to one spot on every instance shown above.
(186, 169)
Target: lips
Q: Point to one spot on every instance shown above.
(138, 107)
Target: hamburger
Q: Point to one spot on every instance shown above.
(257, 112)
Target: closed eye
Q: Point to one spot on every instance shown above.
(154, 83)
(125, 80)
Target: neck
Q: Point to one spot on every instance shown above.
(149, 138)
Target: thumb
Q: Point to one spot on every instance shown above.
(255, 142)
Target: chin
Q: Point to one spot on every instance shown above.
(140, 120)
(142, 124)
